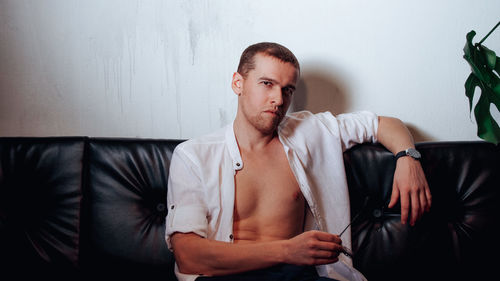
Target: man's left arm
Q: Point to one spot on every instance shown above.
(409, 185)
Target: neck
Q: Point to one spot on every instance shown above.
(249, 138)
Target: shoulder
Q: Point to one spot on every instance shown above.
(304, 119)
(300, 117)
(199, 146)
(305, 125)
(306, 122)
(296, 118)
(212, 138)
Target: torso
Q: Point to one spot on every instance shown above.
(268, 202)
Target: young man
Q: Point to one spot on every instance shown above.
(266, 197)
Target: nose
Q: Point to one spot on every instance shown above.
(277, 97)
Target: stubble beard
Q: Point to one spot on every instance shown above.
(263, 121)
(264, 124)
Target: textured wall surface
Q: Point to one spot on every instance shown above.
(162, 69)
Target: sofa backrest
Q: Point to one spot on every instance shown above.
(456, 240)
(85, 208)
(41, 195)
(125, 208)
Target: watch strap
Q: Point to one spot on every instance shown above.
(401, 154)
(412, 152)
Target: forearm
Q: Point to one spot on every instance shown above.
(196, 255)
(394, 135)
(409, 185)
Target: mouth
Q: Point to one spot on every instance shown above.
(274, 112)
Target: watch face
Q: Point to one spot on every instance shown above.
(413, 153)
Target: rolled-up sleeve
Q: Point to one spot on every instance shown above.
(353, 128)
(187, 209)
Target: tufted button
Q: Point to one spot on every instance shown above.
(160, 207)
(377, 213)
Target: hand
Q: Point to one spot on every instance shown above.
(411, 187)
(313, 248)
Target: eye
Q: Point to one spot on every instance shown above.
(288, 91)
(267, 83)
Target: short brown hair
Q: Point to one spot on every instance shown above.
(275, 50)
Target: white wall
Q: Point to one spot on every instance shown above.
(162, 69)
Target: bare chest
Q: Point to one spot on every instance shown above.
(268, 200)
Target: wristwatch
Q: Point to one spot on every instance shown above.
(409, 152)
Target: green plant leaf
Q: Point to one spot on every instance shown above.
(473, 57)
(484, 63)
(497, 66)
(488, 129)
(470, 86)
(490, 56)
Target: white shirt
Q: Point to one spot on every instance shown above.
(201, 183)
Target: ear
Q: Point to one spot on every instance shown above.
(237, 83)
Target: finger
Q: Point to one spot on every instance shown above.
(423, 203)
(405, 206)
(415, 207)
(325, 246)
(428, 196)
(328, 237)
(326, 254)
(394, 196)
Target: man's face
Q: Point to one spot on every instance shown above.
(266, 93)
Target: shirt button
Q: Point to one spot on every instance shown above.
(231, 236)
(238, 164)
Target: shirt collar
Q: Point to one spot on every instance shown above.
(232, 145)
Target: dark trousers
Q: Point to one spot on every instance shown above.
(283, 272)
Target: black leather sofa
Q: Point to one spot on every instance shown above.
(79, 208)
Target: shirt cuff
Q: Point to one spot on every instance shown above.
(185, 219)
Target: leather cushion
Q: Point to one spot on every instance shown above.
(126, 207)
(40, 200)
(453, 240)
